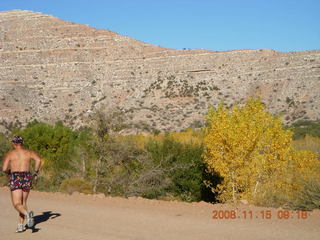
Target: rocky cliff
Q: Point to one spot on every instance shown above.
(54, 70)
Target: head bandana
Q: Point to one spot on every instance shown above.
(17, 139)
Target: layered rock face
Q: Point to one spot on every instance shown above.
(53, 70)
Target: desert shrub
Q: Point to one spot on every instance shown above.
(3, 180)
(75, 185)
(272, 198)
(124, 169)
(309, 198)
(180, 161)
(306, 199)
(44, 184)
(308, 143)
(155, 166)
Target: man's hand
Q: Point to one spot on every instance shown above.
(35, 177)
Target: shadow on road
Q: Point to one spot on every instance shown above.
(45, 216)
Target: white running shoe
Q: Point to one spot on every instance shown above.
(21, 228)
(30, 220)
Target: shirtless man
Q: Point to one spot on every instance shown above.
(16, 164)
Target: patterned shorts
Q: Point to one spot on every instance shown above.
(20, 180)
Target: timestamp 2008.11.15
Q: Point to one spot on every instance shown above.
(260, 214)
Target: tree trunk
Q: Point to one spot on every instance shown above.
(233, 188)
(255, 188)
(96, 180)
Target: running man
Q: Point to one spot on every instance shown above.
(16, 164)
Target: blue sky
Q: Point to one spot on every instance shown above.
(282, 25)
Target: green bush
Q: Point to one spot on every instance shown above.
(181, 166)
(55, 145)
(305, 127)
(5, 146)
(75, 185)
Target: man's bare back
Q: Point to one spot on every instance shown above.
(19, 159)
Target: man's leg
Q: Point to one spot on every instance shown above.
(29, 216)
(17, 202)
(25, 195)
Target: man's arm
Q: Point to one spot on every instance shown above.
(37, 160)
(5, 163)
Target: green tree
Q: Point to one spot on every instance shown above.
(305, 127)
(104, 124)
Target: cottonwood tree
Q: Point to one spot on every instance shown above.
(250, 150)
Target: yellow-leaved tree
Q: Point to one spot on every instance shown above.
(252, 152)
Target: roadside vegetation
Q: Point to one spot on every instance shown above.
(243, 153)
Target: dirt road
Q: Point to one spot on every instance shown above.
(80, 217)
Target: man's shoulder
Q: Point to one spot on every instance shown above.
(11, 152)
(28, 152)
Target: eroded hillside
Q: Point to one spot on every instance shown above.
(56, 70)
